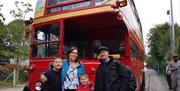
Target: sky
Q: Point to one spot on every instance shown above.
(151, 12)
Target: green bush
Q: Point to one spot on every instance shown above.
(23, 74)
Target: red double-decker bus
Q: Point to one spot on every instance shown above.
(86, 24)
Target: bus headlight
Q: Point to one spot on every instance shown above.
(38, 86)
(121, 3)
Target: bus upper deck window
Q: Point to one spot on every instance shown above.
(46, 33)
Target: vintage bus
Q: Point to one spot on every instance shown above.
(86, 24)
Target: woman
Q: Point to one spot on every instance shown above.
(72, 69)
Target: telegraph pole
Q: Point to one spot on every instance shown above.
(172, 27)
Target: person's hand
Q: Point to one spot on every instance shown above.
(174, 69)
(43, 78)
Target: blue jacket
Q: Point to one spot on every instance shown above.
(66, 65)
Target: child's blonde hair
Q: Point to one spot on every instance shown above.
(51, 63)
(84, 74)
(56, 58)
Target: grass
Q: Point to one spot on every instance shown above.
(5, 84)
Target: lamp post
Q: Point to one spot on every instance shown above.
(170, 32)
(172, 27)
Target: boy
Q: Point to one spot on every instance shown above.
(52, 82)
(85, 85)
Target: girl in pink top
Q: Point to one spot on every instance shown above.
(85, 84)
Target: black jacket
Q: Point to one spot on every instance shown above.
(114, 76)
(54, 81)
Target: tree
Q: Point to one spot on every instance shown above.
(1, 15)
(159, 44)
(2, 41)
(5, 47)
(22, 9)
(16, 32)
(177, 33)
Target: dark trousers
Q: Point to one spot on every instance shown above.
(69, 89)
(168, 78)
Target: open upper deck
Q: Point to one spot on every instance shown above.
(54, 7)
(50, 10)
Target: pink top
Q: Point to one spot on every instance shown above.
(83, 88)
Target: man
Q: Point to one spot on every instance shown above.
(111, 75)
(168, 76)
(174, 67)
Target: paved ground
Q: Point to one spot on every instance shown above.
(155, 82)
(16, 88)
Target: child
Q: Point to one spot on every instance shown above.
(52, 78)
(85, 85)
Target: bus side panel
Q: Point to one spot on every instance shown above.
(90, 67)
(36, 68)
